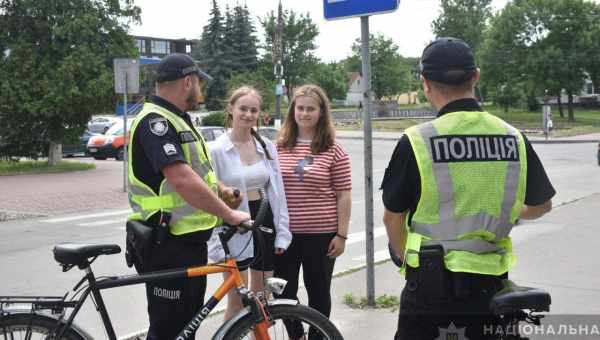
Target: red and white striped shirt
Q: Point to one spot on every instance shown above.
(311, 182)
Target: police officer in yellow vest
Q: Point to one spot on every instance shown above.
(173, 189)
(454, 188)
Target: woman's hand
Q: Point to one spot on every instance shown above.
(336, 247)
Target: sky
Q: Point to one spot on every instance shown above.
(409, 26)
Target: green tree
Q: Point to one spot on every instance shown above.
(212, 53)
(56, 69)
(244, 50)
(298, 40)
(390, 71)
(542, 44)
(331, 77)
(464, 19)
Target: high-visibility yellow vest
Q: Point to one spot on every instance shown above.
(473, 168)
(145, 202)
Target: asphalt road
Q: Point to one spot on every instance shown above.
(27, 265)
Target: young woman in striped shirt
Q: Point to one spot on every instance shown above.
(316, 177)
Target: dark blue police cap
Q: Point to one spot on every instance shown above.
(448, 61)
(178, 65)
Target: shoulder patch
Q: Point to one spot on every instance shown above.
(159, 126)
(187, 137)
(169, 149)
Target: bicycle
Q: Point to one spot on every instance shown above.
(512, 304)
(262, 318)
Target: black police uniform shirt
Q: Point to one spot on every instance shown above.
(156, 144)
(402, 182)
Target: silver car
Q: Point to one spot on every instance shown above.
(101, 124)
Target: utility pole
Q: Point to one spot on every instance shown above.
(277, 61)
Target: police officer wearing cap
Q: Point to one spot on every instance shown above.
(454, 188)
(173, 189)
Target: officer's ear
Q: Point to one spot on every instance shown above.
(426, 85)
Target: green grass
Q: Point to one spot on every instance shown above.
(37, 167)
(381, 302)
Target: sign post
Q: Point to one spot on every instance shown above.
(127, 80)
(339, 9)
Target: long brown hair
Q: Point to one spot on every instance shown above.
(324, 134)
(233, 98)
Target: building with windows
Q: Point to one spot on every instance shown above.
(156, 48)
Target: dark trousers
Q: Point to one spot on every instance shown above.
(173, 303)
(453, 317)
(310, 252)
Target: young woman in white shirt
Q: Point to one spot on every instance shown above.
(244, 160)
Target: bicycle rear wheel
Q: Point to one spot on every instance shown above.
(289, 322)
(31, 326)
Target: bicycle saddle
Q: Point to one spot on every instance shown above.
(77, 253)
(512, 299)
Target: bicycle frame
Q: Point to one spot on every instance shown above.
(234, 281)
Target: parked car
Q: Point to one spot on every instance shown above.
(268, 132)
(210, 133)
(102, 124)
(110, 144)
(80, 148)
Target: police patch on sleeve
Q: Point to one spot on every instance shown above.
(159, 126)
(169, 149)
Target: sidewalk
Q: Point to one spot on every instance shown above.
(568, 276)
(535, 139)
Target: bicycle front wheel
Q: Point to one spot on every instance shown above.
(289, 322)
(32, 326)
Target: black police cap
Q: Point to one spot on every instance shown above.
(178, 65)
(449, 61)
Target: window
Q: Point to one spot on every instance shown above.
(161, 47)
(141, 45)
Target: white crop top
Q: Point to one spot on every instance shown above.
(256, 175)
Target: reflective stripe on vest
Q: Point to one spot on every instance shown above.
(145, 202)
(476, 241)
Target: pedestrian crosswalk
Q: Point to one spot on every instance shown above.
(355, 244)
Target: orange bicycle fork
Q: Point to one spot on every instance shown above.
(234, 281)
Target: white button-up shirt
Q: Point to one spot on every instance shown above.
(229, 170)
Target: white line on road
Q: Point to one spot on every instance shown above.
(360, 236)
(103, 222)
(379, 256)
(81, 217)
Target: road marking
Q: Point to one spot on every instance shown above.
(360, 236)
(82, 217)
(103, 222)
(379, 256)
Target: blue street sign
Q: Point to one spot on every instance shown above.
(339, 9)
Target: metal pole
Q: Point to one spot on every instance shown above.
(366, 70)
(125, 136)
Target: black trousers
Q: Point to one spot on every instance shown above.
(173, 303)
(310, 252)
(453, 317)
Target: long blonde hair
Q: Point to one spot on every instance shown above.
(324, 134)
(233, 98)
